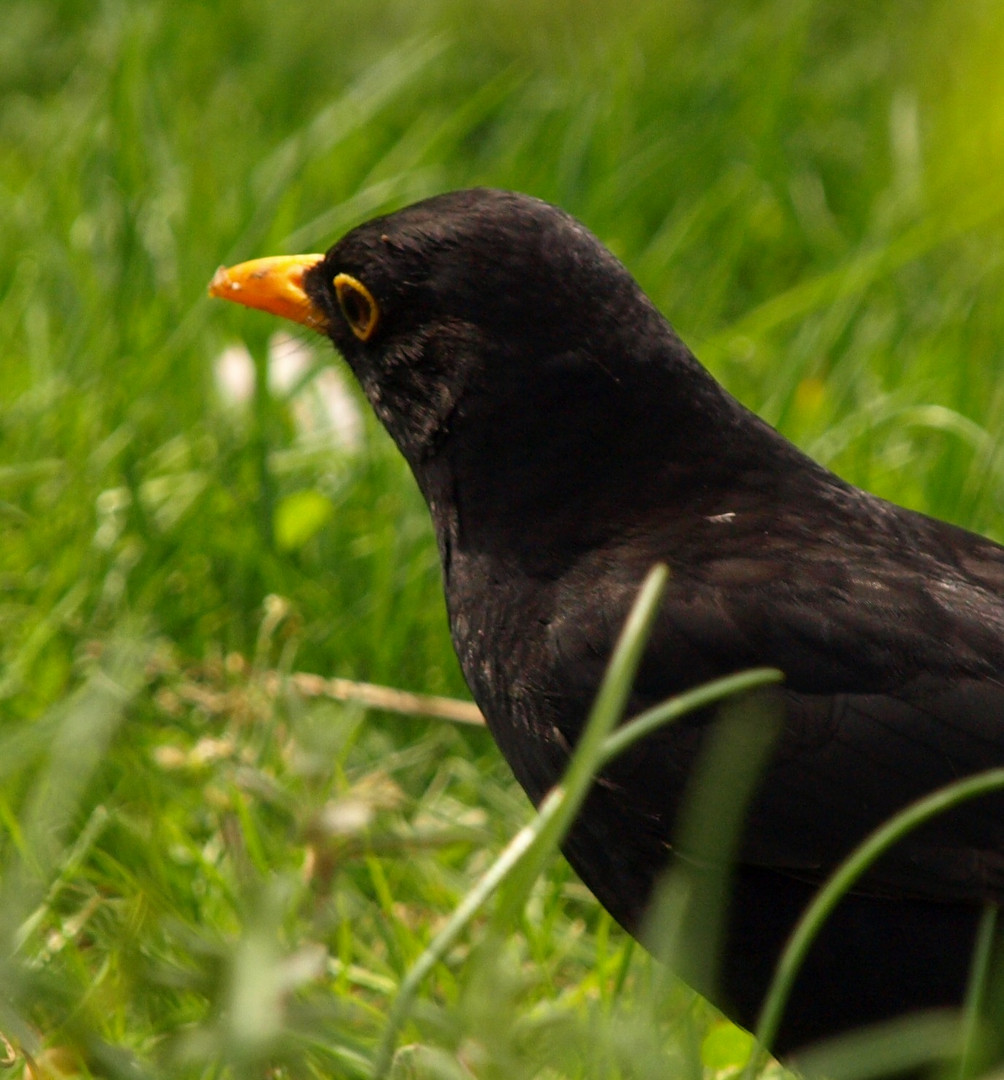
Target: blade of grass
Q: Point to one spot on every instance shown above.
(516, 869)
(976, 992)
(647, 722)
(904, 1046)
(532, 843)
(842, 880)
(687, 916)
(563, 802)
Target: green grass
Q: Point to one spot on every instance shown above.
(200, 877)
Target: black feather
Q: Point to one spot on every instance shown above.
(566, 439)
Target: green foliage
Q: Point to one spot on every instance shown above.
(203, 872)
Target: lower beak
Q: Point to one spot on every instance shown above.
(273, 284)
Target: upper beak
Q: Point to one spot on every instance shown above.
(273, 284)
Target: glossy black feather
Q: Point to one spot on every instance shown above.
(565, 439)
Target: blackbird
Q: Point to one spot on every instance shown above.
(565, 440)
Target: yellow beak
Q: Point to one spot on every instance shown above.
(273, 284)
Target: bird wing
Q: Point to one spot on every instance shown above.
(889, 627)
(845, 763)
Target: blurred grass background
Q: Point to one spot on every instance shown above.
(201, 875)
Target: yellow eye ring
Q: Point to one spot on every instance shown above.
(358, 306)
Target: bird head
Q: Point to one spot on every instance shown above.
(467, 301)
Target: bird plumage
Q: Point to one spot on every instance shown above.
(566, 439)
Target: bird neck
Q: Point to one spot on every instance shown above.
(540, 475)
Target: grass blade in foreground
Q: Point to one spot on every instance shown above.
(517, 867)
(532, 843)
(843, 879)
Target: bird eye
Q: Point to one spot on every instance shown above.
(358, 306)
